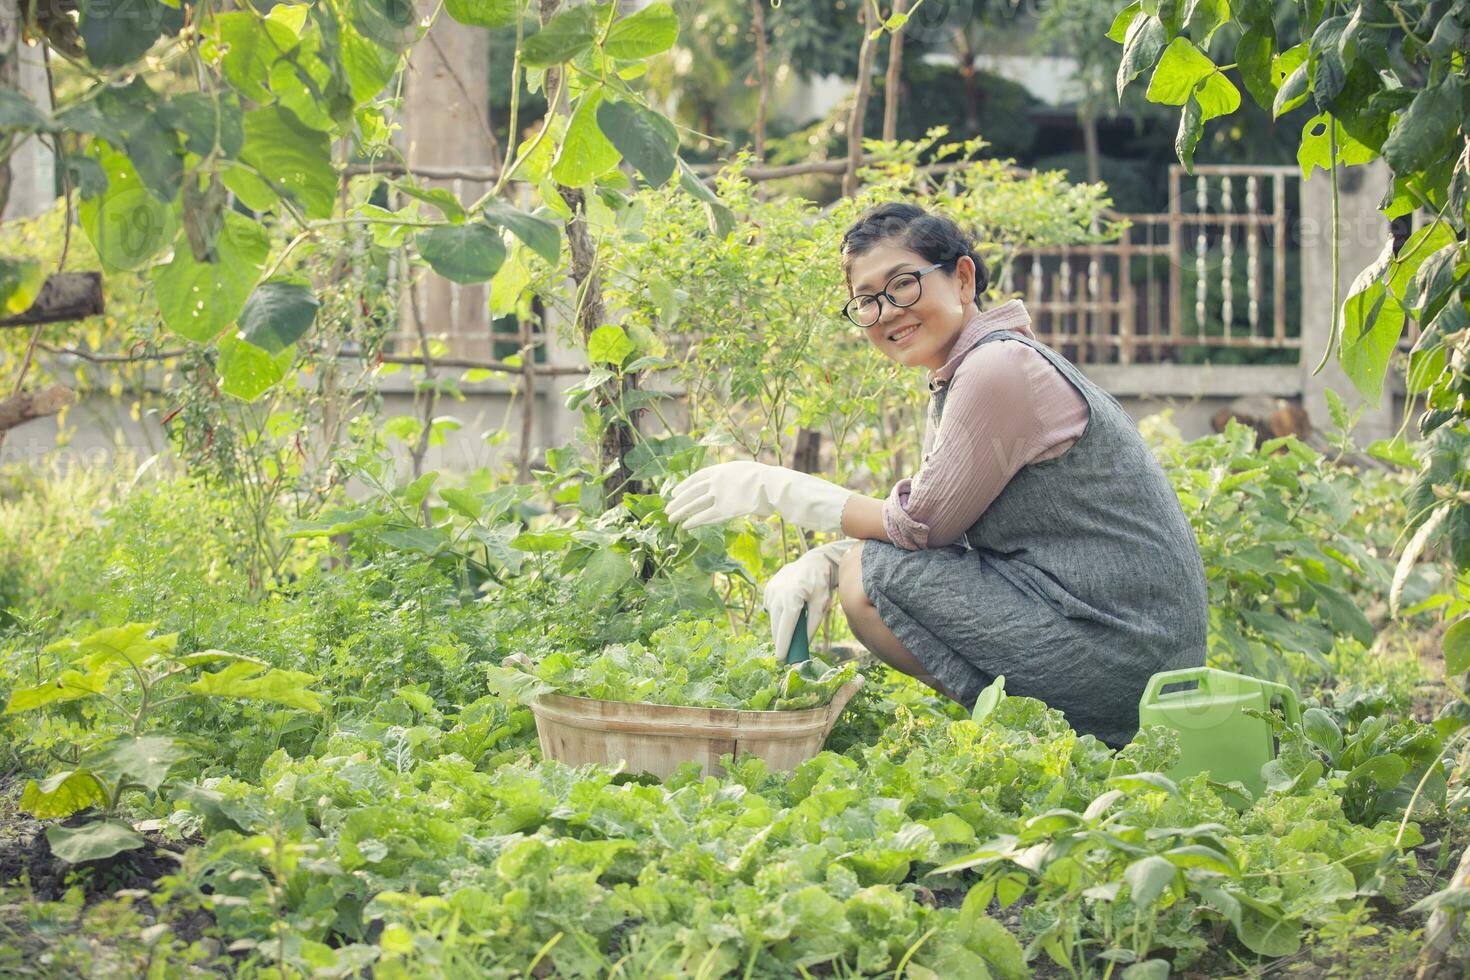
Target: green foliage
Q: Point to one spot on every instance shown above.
(1386, 80)
(1292, 555)
(699, 664)
(411, 827)
(217, 163)
(134, 674)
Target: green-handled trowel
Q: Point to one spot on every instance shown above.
(800, 649)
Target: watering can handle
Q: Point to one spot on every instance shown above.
(1289, 703)
(1163, 677)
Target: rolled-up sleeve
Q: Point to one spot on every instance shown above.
(1001, 412)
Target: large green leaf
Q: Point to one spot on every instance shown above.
(1315, 149)
(62, 794)
(637, 138)
(605, 573)
(369, 67)
(1141, 47)
(541, 235)
(609, 344)
(277, 314)
(1457, 647)
(69, 685)
(466, 253)
(92, 842)
(1186, 71)
(1422, 133)
(143, 761)
(1343, 614)
(1269, 933)
(648, 32)
(1292, 91)
(246, 371)
(20, 114)
(1124, 19)
(129, 644)
(126, 224)
(721, 219)
(567, 35)
(1205, 17)
(116, 33)
(1148, 877)
(585, 152)
(296, 158)
(1322, 730)
(440, 198)
(392, 24)
(218, 810)
(482, 13)
(336, 522)
(203, 119)
(1253, 57)
(20, 281)
(1422, 250)
(256, 682)
(251, 45)
(198, 300)
(1191, 128)
(1372, 322)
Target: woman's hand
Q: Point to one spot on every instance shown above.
(806, 583)
(747, 488)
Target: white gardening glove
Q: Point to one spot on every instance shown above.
(806, 583)
(746, 488)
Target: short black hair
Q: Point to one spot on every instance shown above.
(935, 236)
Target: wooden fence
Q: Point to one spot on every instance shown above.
(1213, 272)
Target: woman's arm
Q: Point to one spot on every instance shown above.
(1007, 407)
(862, 518)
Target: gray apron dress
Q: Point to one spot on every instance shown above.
(1080, 580)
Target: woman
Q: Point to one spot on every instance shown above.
(1040, 539)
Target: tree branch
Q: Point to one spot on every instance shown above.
(64, 296)
(30, 405)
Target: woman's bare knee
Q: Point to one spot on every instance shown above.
(850, 582)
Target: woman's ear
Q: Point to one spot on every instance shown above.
(965, 273)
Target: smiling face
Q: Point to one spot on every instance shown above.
(923, 334)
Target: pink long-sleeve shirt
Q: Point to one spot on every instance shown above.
(1006, 407)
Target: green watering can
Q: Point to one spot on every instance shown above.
(1214, 731)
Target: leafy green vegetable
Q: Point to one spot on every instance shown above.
(695, 663)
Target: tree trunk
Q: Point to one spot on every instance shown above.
(28, 177)
(808, 455)
(893, 80)
(762, 78)
(965, 53)
(444, 118)
(1087, 116)
(619, 436)
(860, 101)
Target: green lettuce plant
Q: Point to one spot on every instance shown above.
(696, 663)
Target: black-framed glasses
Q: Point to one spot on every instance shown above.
(902, 290)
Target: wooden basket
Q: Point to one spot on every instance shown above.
(657, 738)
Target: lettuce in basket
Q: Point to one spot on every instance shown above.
(693, 664)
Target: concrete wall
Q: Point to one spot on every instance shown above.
(101, 427)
